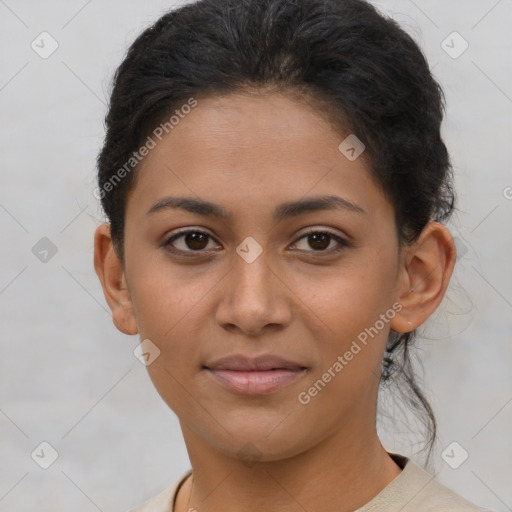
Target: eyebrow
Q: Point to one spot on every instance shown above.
(283, 211)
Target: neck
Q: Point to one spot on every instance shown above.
(340, 474)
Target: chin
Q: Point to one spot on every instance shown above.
(262, 442)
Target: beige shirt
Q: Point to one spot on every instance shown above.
(413, 490)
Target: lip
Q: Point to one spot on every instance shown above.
(260, 363)
(254, 376)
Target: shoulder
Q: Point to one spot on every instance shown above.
(416, 490)
(164, 500)
(436, 497)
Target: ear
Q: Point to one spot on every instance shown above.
(111, 273)
(426, 269)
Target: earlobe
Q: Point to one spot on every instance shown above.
(110, 271)
(426, 269)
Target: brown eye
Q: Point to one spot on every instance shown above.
(188, 242)
(196, 241)
(320, 241)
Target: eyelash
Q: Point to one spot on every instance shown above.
(342, 244)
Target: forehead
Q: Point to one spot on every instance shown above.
(253, 151)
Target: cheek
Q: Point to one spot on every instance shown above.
(166, 299)
(350, 350)
(170, 311)
(350, 301)
(350, 306)
(170, 306)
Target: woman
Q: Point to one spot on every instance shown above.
(275, 184)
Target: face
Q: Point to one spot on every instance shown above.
(301, 282)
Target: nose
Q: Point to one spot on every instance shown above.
(254, 298)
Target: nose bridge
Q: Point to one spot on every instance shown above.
(252, 277)
(252, 298)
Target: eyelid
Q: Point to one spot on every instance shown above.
(189, 229)
(320, 229)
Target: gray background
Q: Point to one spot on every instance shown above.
(69, 378)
